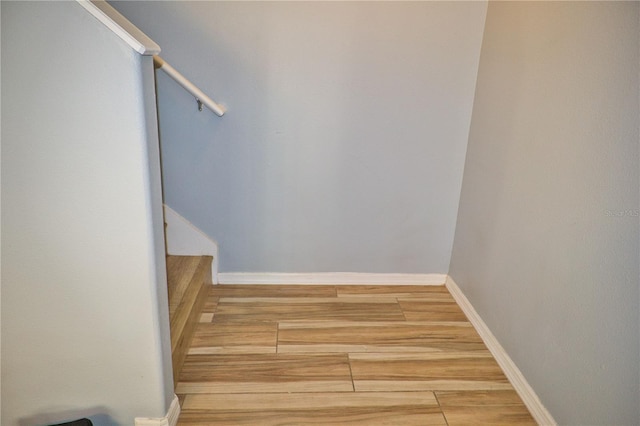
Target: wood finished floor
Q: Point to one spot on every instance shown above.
(341, 355)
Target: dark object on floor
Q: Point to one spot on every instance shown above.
(81, 422)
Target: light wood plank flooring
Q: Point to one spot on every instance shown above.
(341, 355)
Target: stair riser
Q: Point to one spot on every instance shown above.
(189, 284)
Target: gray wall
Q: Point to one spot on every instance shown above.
(83, 283)
(344, 143)
(546, 245)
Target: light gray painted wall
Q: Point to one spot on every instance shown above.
(546, 245)
(83, 287)
(344, 143)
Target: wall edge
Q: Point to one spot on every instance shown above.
(511, 370)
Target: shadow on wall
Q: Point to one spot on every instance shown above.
(99, 416)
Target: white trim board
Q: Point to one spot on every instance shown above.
(515, 376)
(186, 239)
(353, 278)
(121, 26)
(171, 419)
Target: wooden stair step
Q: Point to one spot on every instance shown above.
(180, 272)
(189, 280)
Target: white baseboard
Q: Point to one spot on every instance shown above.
(171, 419)
(520, 384)
(353, 278)
(185, 239)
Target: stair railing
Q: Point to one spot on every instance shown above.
(200, 96)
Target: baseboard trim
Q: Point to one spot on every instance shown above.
(186, 239)
(513, 373)
(171, 419)
(351, 278)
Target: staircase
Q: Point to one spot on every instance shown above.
(189, 278)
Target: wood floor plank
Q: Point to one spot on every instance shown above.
(281, 401)
(482, 398)
(301, 386)
(373, 290)
(423, 297)
(365, 416)
(265, 373)
(212, 301)
(212, 338)
(378, 336)
(427, 385)
(432, 292)
(293, 309)
(430, 310)
(503, 407)
(371, 408)
(488, 415)
(426, 371)
(206, 317)
(294, 301)
(271, 290)
(426, 356)
(306, 324)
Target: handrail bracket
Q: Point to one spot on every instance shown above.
(200, 96)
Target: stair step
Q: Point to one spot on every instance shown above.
(188, 279)
(180, 272)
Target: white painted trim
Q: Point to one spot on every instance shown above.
(330, 278)
(171, 419)
(121, 26)
(186, 239)
(513, 373)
